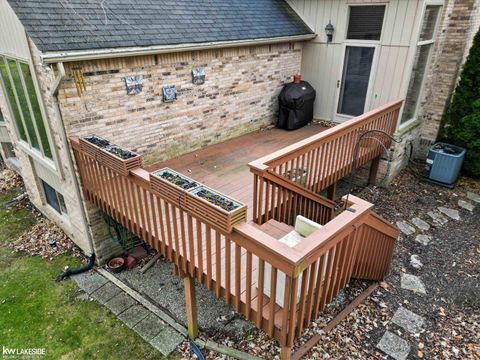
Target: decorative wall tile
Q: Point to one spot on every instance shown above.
(134, 84)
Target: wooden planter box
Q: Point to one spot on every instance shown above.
(214, 214)
(106, 158)
(169, 190)
(90, 148)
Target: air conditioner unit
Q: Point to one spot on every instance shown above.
(444, 162)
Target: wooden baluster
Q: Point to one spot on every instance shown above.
(208, 237)
(260, 219)
(311, 292)
(255, 199)
(169, 236)
(191, 254)
(303, 298)
(238, 276)
(199, 251)
(261, 283)
(248, 294)
(228, 289)
(183, 235)
(273, 298)
(218, 263)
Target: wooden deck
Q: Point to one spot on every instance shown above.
(224, 166)
(232, 262)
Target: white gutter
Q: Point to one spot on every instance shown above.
(79, 55)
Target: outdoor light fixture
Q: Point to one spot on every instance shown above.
(329, 31)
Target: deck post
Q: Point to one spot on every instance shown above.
(285, 353)
(372, 177)
(191, 305)
(331, 190)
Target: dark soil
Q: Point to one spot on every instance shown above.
(217, 200)
(120, 152)
(178, 180)
(98, 141)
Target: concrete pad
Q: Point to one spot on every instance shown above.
(394, 346)
(149, 327)
(120, 303)
(451, 213)
(419, 223)
(106, 292)
(474, 197)
(413, 283)
(437, 218)
(423, 239)
(466, 205)
(133, 315)
(165, 290)
(408, 320)
(166, 341)
(89, 281)
(405, 227)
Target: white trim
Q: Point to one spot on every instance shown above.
(67, 56)
(36, 155)
(418, 43)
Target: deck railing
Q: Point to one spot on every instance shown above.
(321, 160)
(356, 243)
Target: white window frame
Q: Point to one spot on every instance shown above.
(418, 43)
(37, 155)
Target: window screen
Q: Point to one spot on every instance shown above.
(365, 22)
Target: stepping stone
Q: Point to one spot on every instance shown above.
(474, 197)
(133, 315)
(408, 320)
(149, 327)
(106, 292)
(405, 227)
(120, 303)
(166, 341)
(419, 223)
(413, 283)
(451, 213)
(466, 205)
(394, 346)
(89, 281)
(423, 239)
(415, 262)
(437, 218)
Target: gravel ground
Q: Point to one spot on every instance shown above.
(451, 271)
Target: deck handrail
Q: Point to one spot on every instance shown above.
(327, 156)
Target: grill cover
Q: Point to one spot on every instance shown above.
(295, 105)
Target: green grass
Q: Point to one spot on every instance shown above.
(37, 312)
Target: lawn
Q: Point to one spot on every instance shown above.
(38, 312)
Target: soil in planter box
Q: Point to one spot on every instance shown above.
(218, 200)
(178, 181)
(119, 152)
(98, 141)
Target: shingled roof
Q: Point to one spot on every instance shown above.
(67, 25)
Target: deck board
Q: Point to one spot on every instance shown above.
(224, 166)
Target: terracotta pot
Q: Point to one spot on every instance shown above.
(116, 264)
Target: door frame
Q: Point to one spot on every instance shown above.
(338, 117)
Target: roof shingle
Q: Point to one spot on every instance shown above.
(61, 25)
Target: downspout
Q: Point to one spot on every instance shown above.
(63, 136)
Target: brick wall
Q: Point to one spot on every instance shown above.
(460, 22)
(239, 96)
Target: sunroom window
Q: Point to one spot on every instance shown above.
(22, 97)
(425, 45)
